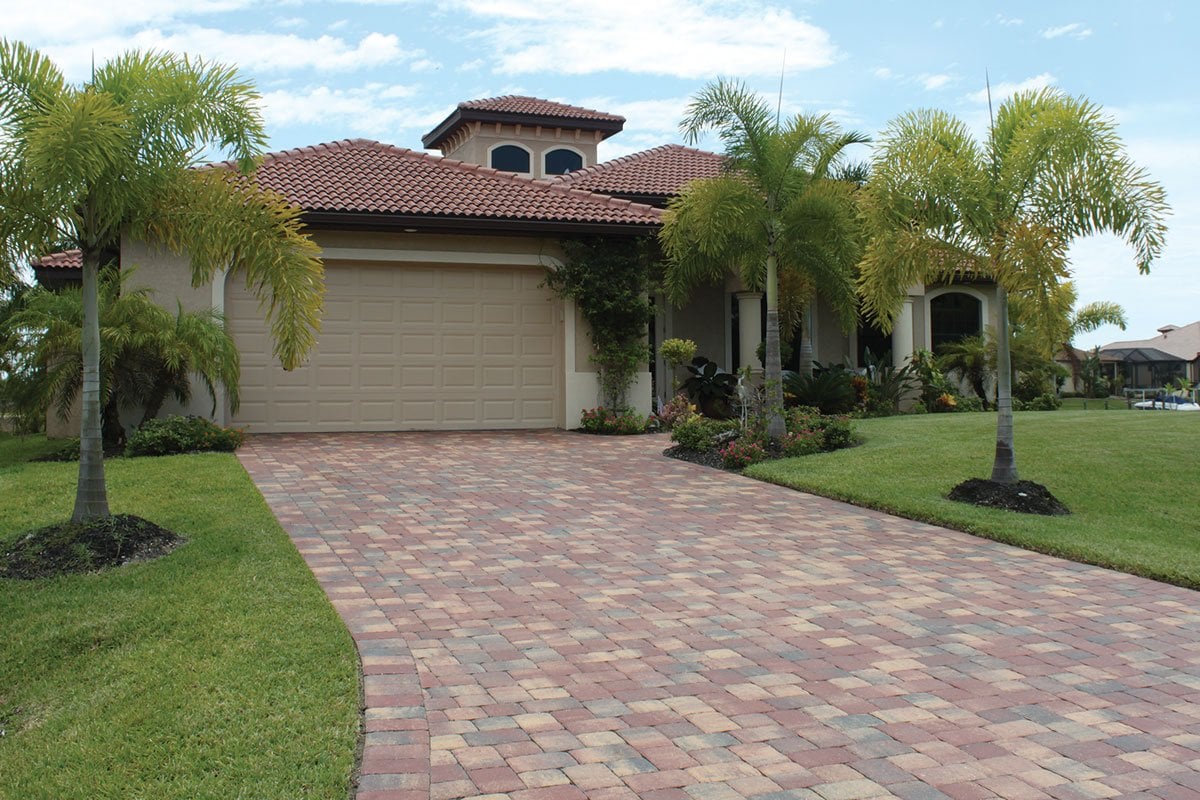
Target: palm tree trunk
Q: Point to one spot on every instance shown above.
(91, 498)
(773, 377)
(1004, 468)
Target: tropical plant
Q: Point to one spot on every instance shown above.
(776, 216)
(932, 381)
(887, 384)
(972, 360)
(147, 354)
(1055, 331)
(20, 377)
(710, 388)
(828, 388)
(96, 163)
(939, 203)
(1091, 376)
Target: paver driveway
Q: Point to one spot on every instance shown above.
(549, 615)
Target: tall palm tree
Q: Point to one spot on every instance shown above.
(1052, 169)
(776, 216)
(113, 158)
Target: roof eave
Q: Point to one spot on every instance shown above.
(461, 116)
(333, 220)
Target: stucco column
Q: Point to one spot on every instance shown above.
(749, 328)
(902, 334)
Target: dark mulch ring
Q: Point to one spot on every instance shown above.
(71, 547)
(1025, 497)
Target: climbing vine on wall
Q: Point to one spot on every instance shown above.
(609, 280)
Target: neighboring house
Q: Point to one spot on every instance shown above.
(1152, 363)
(435, 315)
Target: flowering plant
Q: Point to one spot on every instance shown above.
(741, 453)
(670, 413)
(611, 422)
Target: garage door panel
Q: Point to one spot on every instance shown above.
(373, 412)
(409, 347)
(422, 344)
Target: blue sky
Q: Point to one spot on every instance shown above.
(391, 69)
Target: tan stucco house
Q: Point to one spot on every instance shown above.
(435, 315)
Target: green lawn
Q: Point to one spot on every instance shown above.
(1132, 481)
(218, 671)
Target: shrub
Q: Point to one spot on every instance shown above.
(802, 443)
(829, 432)
(741, 453)
(1043, 402)
(674, 411)
(698, 433)
(612, 422)
(171, 435)
(829, 389)
(970, 404)
(838, 432)
(677, 352)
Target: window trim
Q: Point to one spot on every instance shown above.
(984, 309)
(545, 153)
(528, 152)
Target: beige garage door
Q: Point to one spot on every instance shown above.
(408, 347)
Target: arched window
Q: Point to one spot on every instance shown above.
(953, 317)
(510, 158)
(562, 161)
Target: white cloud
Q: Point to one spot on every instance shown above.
(1075, 30)
(65, 21)
(934, 82)
(265, 52)
(1008, 22)
(425, 65)
(688, 38)
(883, 73)
(375, 110)
(1005, 89)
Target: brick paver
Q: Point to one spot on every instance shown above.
(549, 616)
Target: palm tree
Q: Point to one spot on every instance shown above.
(939, 203)
(113, 158)
(971, 358)
(776, 216)
(1056, 334)
(147, 354)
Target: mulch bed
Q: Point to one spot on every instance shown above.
(707, 458)
(71, 547)
(1025, 497)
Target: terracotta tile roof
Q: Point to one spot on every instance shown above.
(67, 259)
(362, 176)
(520, 110)
(359, 176)
(537, 107)
(658, 172)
